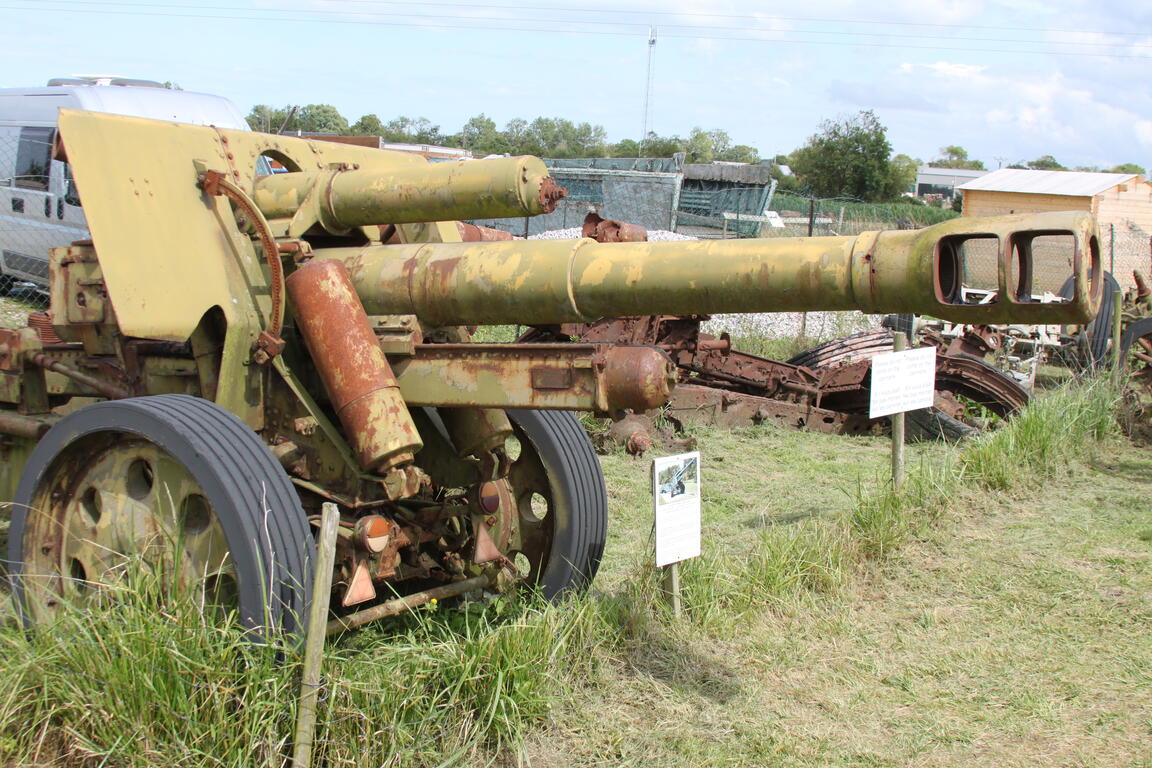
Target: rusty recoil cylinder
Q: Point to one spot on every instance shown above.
(355, 373)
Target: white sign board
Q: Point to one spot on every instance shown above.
(774, 219)
(902, 381)
(676, 496)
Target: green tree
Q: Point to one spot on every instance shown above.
(904, 170)
(367, 125)
(557, 137)
(1128, 168)
(515, 133)
(705, 146)
(269, 119)
(849, 158)
(625, 148)
(321, 118)
(480, 136)
(700, 147)
(954, 156)
(1046, 163)
(661, 146)
(741, 153)
(406, 130)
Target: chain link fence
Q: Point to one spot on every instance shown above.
(1125, 248)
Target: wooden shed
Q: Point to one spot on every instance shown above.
(1122, 203)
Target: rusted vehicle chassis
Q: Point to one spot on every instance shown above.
(826, 389)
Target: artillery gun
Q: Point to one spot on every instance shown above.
(230, 351)
(675, 485)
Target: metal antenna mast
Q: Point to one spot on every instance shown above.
(648, 86)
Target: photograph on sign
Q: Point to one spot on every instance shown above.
(676, 498)
(902, 381)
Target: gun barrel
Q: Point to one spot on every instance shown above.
(343, 199)
(926, 271)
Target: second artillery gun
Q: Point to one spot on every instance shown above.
(231, 350)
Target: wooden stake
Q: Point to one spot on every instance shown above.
(314, 645)
(899, 344)
(1117, 314)
(672, 586)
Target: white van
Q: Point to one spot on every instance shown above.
(39, 206)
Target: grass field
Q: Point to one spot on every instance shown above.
(996, 613)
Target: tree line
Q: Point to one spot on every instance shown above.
(847, 158)
(544, 136)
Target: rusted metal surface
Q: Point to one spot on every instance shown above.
(551, 193)
(215, 184)
(106, 388)
(830, 392)
(480, 433)
(633, 432)
(470, 233)
(707, 405)
(609, 231)
(1142, 289)
(354, 371)
(979, 382)
(23, 426)
(977, 340)
(41, 322)
(601, 378)
(407, 603)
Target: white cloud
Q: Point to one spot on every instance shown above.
(994, 111)
(944, 68)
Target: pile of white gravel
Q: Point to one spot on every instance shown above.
(816, 325)
(654, 235)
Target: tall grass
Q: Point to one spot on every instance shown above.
(128, 684)
(142, 680)
(1066, 425)
(786, 562)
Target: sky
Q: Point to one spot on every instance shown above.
(1007, 81)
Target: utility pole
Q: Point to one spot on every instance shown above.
(648, 87)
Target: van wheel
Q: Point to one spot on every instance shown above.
(6, 284)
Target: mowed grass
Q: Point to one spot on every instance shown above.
(976, 617)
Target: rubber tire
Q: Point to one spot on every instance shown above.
(934, 424)
(579, 499)
(1096, 336)
(238, 475)
(903, 323)
(1132, 332)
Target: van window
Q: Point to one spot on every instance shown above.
(33, 158)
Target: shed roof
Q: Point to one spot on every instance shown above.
(1072, 183)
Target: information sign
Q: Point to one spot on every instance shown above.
(902, 381)
(676, 496)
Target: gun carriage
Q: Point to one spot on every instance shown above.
(229, 351)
